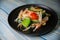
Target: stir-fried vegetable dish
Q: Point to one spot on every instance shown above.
(33, 17)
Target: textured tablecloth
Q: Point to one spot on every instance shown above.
(7, 33)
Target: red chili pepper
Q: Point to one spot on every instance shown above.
(33, 16)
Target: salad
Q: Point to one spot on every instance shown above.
(32, 17)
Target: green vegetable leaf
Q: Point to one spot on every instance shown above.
(43, 15)
(26, 22)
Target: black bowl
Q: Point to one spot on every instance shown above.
(51, 24)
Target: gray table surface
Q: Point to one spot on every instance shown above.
(7, 33)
